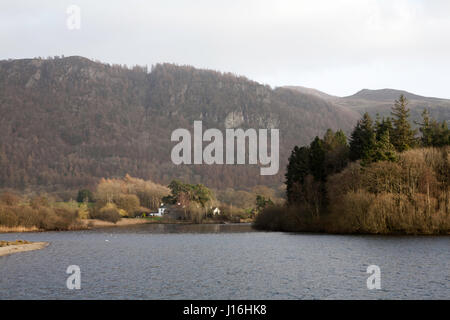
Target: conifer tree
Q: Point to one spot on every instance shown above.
(317, 159)
(297, 170)
(337, 150)
(328, 138)
(426, 128)
(385, 125)
(402, 136)
(340, 138)
(362, 140)
(440, 134)
(434, 134)
(383, 150)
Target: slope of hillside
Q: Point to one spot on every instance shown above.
(66, 122)
(381, 101)
(313, 92)
(388, 95)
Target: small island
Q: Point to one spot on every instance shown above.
(10, 247)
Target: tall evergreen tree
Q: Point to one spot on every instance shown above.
(336, 156)
(328, 138)
(362, 140)
(402, 136)
(297, 170)
(322, 158)
(434, 134)
(333, 140)
(426, 128)
(383, 126)
(340, 138)
(382, 151)
(317, 159)
(440, 134)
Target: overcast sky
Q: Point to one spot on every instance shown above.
(337, 46)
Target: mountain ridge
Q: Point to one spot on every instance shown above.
(378, 102)
(67, 122)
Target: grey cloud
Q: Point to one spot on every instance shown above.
(335, 46)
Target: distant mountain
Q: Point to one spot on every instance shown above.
(381, 101)
(384, 95)
(67, 122)
(312, 91)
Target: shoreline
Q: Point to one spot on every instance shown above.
(87, 224)
(92, 224)
(324, 233)
(11, 249)
(18, 229)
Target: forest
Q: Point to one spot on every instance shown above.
(387, 180)
(68, 122)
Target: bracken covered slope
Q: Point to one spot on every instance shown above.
(66, 122)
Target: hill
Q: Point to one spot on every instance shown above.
(313, 92)
(67, 122)
(380, 102)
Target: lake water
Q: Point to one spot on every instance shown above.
(224, 262)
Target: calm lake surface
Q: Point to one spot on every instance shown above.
(224, 262)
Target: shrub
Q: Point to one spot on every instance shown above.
(9, 199)
(108, 213)
(293, 218)
(196, 214)
(44, 218)
(39, 201)
(271, 219)
(83, 211)
(129, 203)
(8, 218)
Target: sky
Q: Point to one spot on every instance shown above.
(336, 46)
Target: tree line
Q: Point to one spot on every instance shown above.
(386, 179)
(370, 141)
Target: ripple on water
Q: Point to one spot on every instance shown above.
(224, 262)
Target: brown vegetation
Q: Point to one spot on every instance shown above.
(13, 243)
(66, 123)
(411, 196)
(108, 213)
(128, 197)
(36, 214)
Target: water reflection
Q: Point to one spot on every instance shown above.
(185, 228)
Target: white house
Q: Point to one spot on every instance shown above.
(161, 211)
